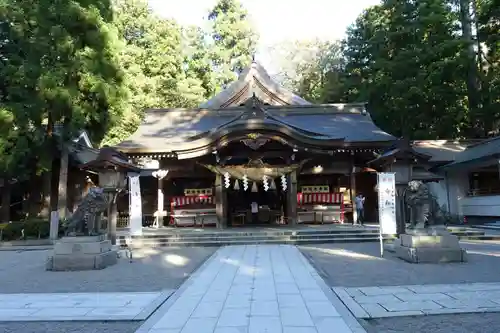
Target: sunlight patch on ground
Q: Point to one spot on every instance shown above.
(245, 269)
(345, 253)
(144, 252)
(484, 253)
(176, 260)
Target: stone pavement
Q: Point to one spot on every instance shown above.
(80, 306)
(253, 289)
(414, 300)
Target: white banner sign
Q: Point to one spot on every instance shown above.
(135, 205)
(387, 202)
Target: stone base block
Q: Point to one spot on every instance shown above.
(82, 253)
(81, 262)
(429, 241)
(66, 248)
(433, 255)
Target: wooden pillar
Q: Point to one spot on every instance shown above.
(220, 202)
(352, 194)
(160, 175)
(112, 217)
(292, 198)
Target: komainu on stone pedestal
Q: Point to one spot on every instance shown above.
(86, 219)
(83, 247)
(425, 241)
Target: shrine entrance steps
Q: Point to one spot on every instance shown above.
(316, 234)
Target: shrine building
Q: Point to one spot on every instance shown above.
(253, 144)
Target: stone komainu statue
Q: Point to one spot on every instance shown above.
(424, 208)
(86, 218)
(418, 199)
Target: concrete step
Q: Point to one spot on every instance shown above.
(159, 243)
(223, 237)
(206, 234)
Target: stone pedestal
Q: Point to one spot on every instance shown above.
(82, 253)
(431, 245)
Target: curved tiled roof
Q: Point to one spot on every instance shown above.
(253, 102)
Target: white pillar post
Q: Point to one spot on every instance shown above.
(159, 174)
(135, 205)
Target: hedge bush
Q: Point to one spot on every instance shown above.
(33, 229)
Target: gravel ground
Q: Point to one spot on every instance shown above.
(456, 323)
(151, 270)
(68, 327)
(360, 265)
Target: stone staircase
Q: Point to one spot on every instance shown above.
(299, 235)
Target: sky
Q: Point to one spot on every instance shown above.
(276, 20)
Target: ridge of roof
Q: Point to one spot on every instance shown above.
(253, 78)
(484, 141)
(342, 108)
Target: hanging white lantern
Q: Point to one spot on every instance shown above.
(236, 185)
(265, 183)
(245, 182)
(254, 187)
(283, 182)
(227, 180)
(273, 185)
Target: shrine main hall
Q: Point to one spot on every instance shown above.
(255, 154)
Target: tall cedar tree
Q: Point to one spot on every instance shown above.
(406, 59)
(60, 74)
(234, 41)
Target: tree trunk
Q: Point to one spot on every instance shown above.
(5, 212)
(472, 77)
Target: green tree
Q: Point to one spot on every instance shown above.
(59, 67)
(406, 59)
(153, 59)
(313, 69)
(488, 27)
(197, 63)
(233, 41)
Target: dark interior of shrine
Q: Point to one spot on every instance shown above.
(271, 203)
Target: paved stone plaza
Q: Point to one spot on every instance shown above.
(80, 306)
(381, 302)
(152, 270)
(254, 289)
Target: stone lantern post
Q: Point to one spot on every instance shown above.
(112, 181)
(112, 168)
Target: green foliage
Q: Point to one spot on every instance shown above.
(153, 59)
(28, 229)
(311, 68)
(59, 66)
(488, 23)
(406, 59)
(234, 41)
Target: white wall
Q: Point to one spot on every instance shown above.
(485, 205)
(462, 205)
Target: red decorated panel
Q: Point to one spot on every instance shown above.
(189, 200)
(316, 198)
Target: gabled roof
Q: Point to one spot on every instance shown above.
(401, 149)
(176, 130)
(441, 150)
(254, 80)
(484, 150)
